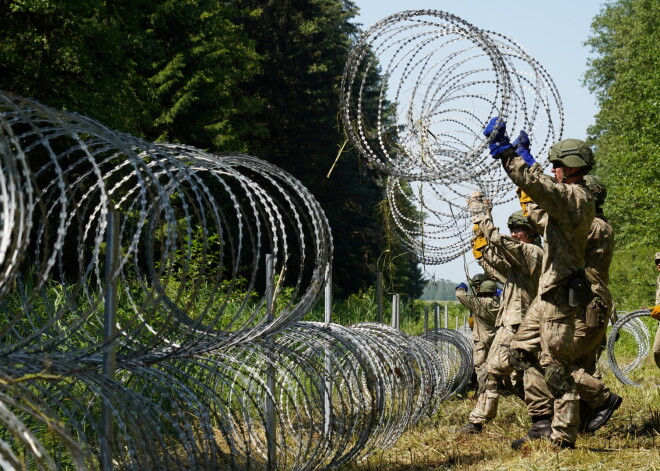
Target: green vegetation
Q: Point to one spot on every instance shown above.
(254, 77)
(440, 290)
(623, 75)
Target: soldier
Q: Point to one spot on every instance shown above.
(655, 313)
(523, 257)
(590, 330)
(484, 307)
(563, 292)
(591, 324)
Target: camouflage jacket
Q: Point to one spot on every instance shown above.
(484, 309)
(598, 257)
(569, 208)
(494, 265)
(657, 291)
(521, 284)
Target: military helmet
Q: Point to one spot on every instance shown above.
(597, 187)
(572, 153)
(518, 219)
(479, 278)
(488, 287)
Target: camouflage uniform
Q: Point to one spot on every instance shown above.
(570, 210)
(656, 343)
(484, 309)
(524, 267)
(591, 323)
(495, 266)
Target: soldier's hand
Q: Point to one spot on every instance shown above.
(655, 312)
(522, 144)
(495, 131)
(478, 206)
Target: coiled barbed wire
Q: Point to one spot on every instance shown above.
(191, 223)
(417, 90)
(456, 354)
(630, 323)
(210, 373)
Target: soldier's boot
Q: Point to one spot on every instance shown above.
(541, 428)
(470, 428)
(603, 413)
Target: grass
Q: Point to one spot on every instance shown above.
(630, 440)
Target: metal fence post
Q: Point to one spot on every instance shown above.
(112, 253)
(426, 319)
(379, 295)
(396, 299)
(437, 318)
(446, 317)
(327, 396)
(271, 465)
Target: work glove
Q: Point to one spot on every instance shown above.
(478, 206)
(462, 286)
(471, 322)
(521, 144)
(495, 131)
(478, 243)
(524, 201)
(498, 292)
(655, 312)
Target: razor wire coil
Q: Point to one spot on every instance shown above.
(417, 90)
(632, 324)
(201, 352)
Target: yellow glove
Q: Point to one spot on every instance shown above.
(655, 312)
(524, 200)
(478, 243)
(471, 322)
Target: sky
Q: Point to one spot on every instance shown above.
(551, 32)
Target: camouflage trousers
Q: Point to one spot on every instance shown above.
(589, 342)
(548, 330)
(495, 368)
(656, 347)
(482, 338)
(479, 354)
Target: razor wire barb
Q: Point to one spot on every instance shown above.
(200, 353)
(438, 79)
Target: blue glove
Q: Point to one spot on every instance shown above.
(522, 148)
(498, 292)
(462, 286)
(496, 132)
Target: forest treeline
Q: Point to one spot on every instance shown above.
(439, 290)
(245, 76)
(262, 77)
(624, 75)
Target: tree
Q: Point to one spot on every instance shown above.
(160, 70)
(245, 76)
(304, 45)
(624, 77)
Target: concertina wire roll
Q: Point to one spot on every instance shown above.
(419, 120)
(208, 374)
